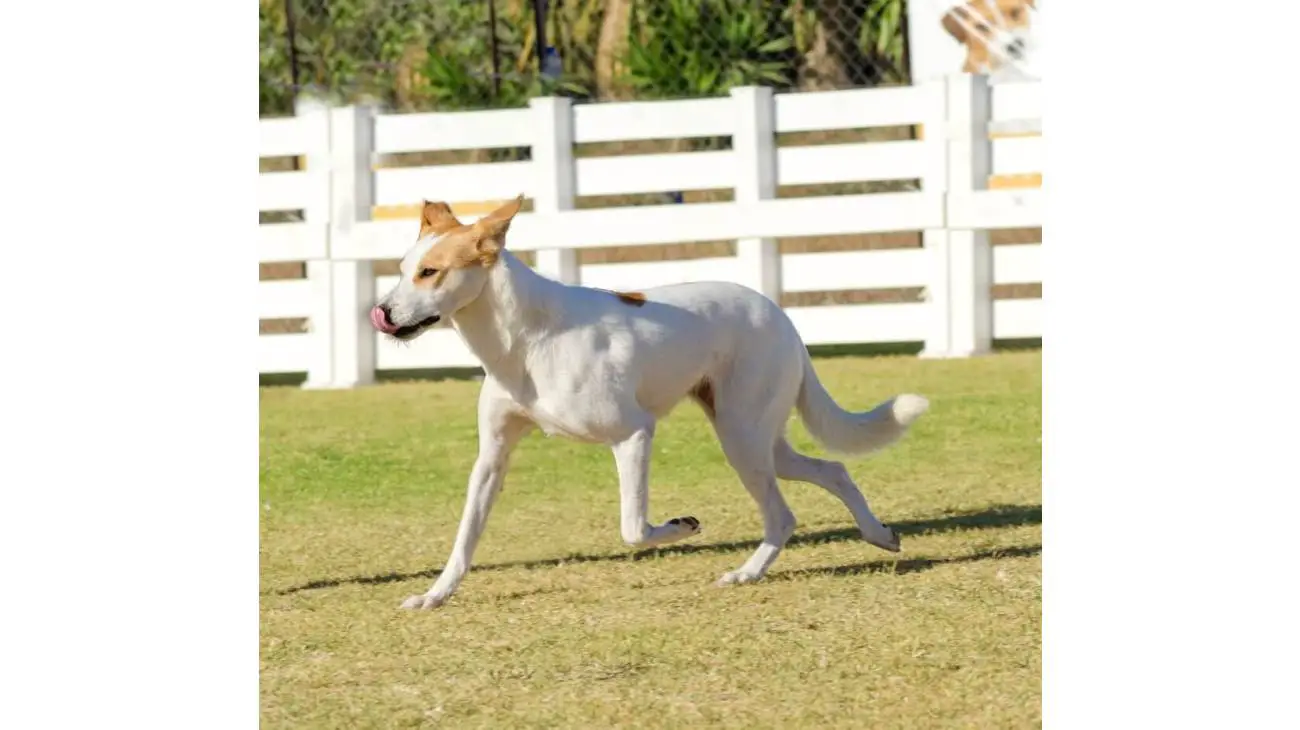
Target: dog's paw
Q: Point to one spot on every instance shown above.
(890, 541)
(423, 602)
(737, 577)
(686, 526)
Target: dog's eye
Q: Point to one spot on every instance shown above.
(426, 273)
(1015, 13)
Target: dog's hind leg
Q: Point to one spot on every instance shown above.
(499, 431)
(834, 478)
(632, 456)
(748, 448)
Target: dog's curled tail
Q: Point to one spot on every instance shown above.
(854, 433)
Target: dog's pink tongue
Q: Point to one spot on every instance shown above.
(380, 322)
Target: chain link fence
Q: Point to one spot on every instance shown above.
(424, 55)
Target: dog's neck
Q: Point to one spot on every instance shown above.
(511, 312)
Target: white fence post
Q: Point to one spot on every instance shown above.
(934, 179)
(351, 283)
(555, 178)
(961, 293)
(316, 125)
(753, 144)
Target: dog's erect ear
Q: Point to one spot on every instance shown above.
(490, 230)
(436, 219)
(497, 222)
(955, 26)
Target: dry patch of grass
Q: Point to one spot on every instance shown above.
(560, 625)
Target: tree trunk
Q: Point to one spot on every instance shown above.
(832, 50)
(611, 47)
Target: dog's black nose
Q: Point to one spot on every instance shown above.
(387, 312)
(1015, 48)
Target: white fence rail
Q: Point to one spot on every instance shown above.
(952, 207)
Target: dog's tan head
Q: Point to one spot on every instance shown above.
(444, 271)
(991, 30)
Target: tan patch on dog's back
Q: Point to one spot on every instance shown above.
(630, 298)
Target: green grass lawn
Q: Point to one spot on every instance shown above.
(560, 625)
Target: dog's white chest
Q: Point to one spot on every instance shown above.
(590, 417)
(551, 428)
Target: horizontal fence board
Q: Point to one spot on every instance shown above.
(621, 175)
(284, 299)
(837, 163)
(290, 242)
(662, 224)
(286, 190)
(1017, 155)
(849, 270)
(854, 108)
(849, 324)
(396, 133)
(637, 120)
(1018, 264)
(996, 209)
(391, 239)
(644, 275)
(1016, 128)
(627, 174)
(291, 136)
(284, 353)
(1022, 100)
(803, 272)
(648, 225)
(1017, 319)
(437, 348)
(454, 183)
(652, 224)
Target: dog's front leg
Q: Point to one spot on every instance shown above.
(497, 438)
(632, 456)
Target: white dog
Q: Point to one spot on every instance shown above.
(603, 367)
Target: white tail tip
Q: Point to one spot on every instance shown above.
(907, 408)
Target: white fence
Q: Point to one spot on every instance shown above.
(953, 208)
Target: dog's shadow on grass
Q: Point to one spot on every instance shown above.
(912, 565)
(996, 516)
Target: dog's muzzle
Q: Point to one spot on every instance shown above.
(382, 319)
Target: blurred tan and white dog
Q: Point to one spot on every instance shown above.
(603, 367)
(996, 35)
